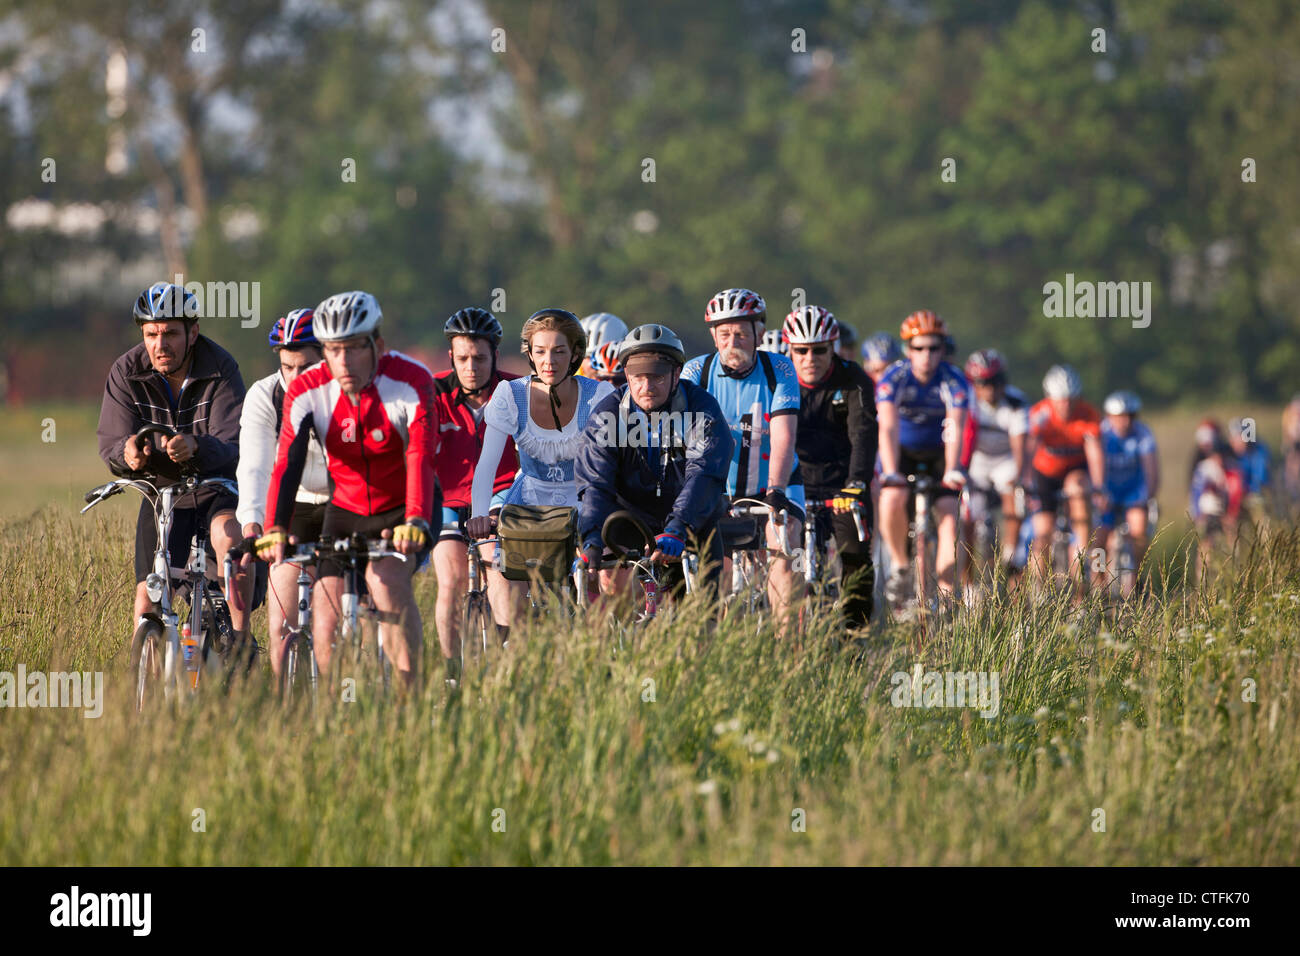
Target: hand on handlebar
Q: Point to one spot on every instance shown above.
(182, 448)
(591, 556)
(954, 478)
(409, 538)
(481, 526)
(667, 547)
(271, 546)
(778, 502)
(136, 452)
(844, 502)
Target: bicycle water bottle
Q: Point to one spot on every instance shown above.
(651, 599)
(349, 611)
(190, 655)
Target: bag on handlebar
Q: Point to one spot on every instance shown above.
(537, 539)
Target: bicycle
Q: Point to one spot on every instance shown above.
(749, 563)
(352, 552)
(476, 619)
(163, 654)
(631, 545)
(1121, 559)
(922, 535)
(814, 545)
(297, 645)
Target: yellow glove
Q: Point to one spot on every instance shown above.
(414, 530)
(266, 542)
(843, 502)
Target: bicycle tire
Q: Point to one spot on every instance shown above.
(147, 656)
(295, 675)
(475, 633)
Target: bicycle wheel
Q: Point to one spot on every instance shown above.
(147, 658)
(476, 626)
(296, 675)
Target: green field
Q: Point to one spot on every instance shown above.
(741, 750)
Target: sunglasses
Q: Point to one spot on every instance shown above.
(926, 348)
(814, 349)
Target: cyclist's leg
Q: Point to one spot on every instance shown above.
(1078, 489)
(945, 506)
(1045, 498)
(390, 586)
(893, 524)
(1138, 531)
(224, 533)
(281, 610)
(146, 542)
(450, 557)
(857, 576)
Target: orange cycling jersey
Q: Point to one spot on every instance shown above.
(1059, 443)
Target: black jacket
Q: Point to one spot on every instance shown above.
(208, 408)
(837, 433)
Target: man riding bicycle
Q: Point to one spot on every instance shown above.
(1002, 415)
(1064, 451)
(759, 396)
(922, 405)
(297, 350)
(660, 448)
(373, 411)
(461, 395)
(1132, 468)
(182, 380)
(837, 413)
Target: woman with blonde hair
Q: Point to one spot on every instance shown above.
(545, 413)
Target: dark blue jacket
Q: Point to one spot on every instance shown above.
(678, 488)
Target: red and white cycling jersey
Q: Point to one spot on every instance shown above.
(379, 451)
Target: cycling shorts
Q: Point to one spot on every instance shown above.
(1047, 492)
(341, 523)
(307, 521)
(453, 519)
(1121, 500)
(997, 472)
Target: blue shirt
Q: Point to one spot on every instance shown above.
(922, 406)
(1254, 463)
(749, 404)
(1124, 471)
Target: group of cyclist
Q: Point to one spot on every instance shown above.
(348, 437)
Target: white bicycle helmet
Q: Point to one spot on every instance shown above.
(810, 325)
(1061, 381)
(1122, 402)
(346, 314)
(602, 327)
(730, 304)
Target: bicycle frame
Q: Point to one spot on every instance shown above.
(812, 537)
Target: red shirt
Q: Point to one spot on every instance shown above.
(1059, 444)
(460, 441)
(379, 452)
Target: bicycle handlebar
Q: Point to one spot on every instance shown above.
(855, 509)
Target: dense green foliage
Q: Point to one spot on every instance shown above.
(817, 169)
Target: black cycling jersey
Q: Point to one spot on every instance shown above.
(836, 440)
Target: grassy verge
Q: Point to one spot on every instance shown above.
(1172, 724)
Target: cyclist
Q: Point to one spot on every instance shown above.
(837, 413)
(599, 328)
(1002, 419)
(759, 396)
(921, 405)
(545, 414)
(297, 350)
(848, 343)
(179, 378)
(660, 448)
(878, 353)
(606, 366)
(461, 396)
(1132, 469)
(1063, 452)
(373, 411)
(1216, 492)
(1255, 461)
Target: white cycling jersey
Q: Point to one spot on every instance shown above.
(258, 436)
(998, 425)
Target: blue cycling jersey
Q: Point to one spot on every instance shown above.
(749, 404)
(1125, 479)
(922, 406)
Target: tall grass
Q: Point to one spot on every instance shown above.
(695, 746)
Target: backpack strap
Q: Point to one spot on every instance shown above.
(768, 370)
(706, 373)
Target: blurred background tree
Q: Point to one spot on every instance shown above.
(794, 145)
